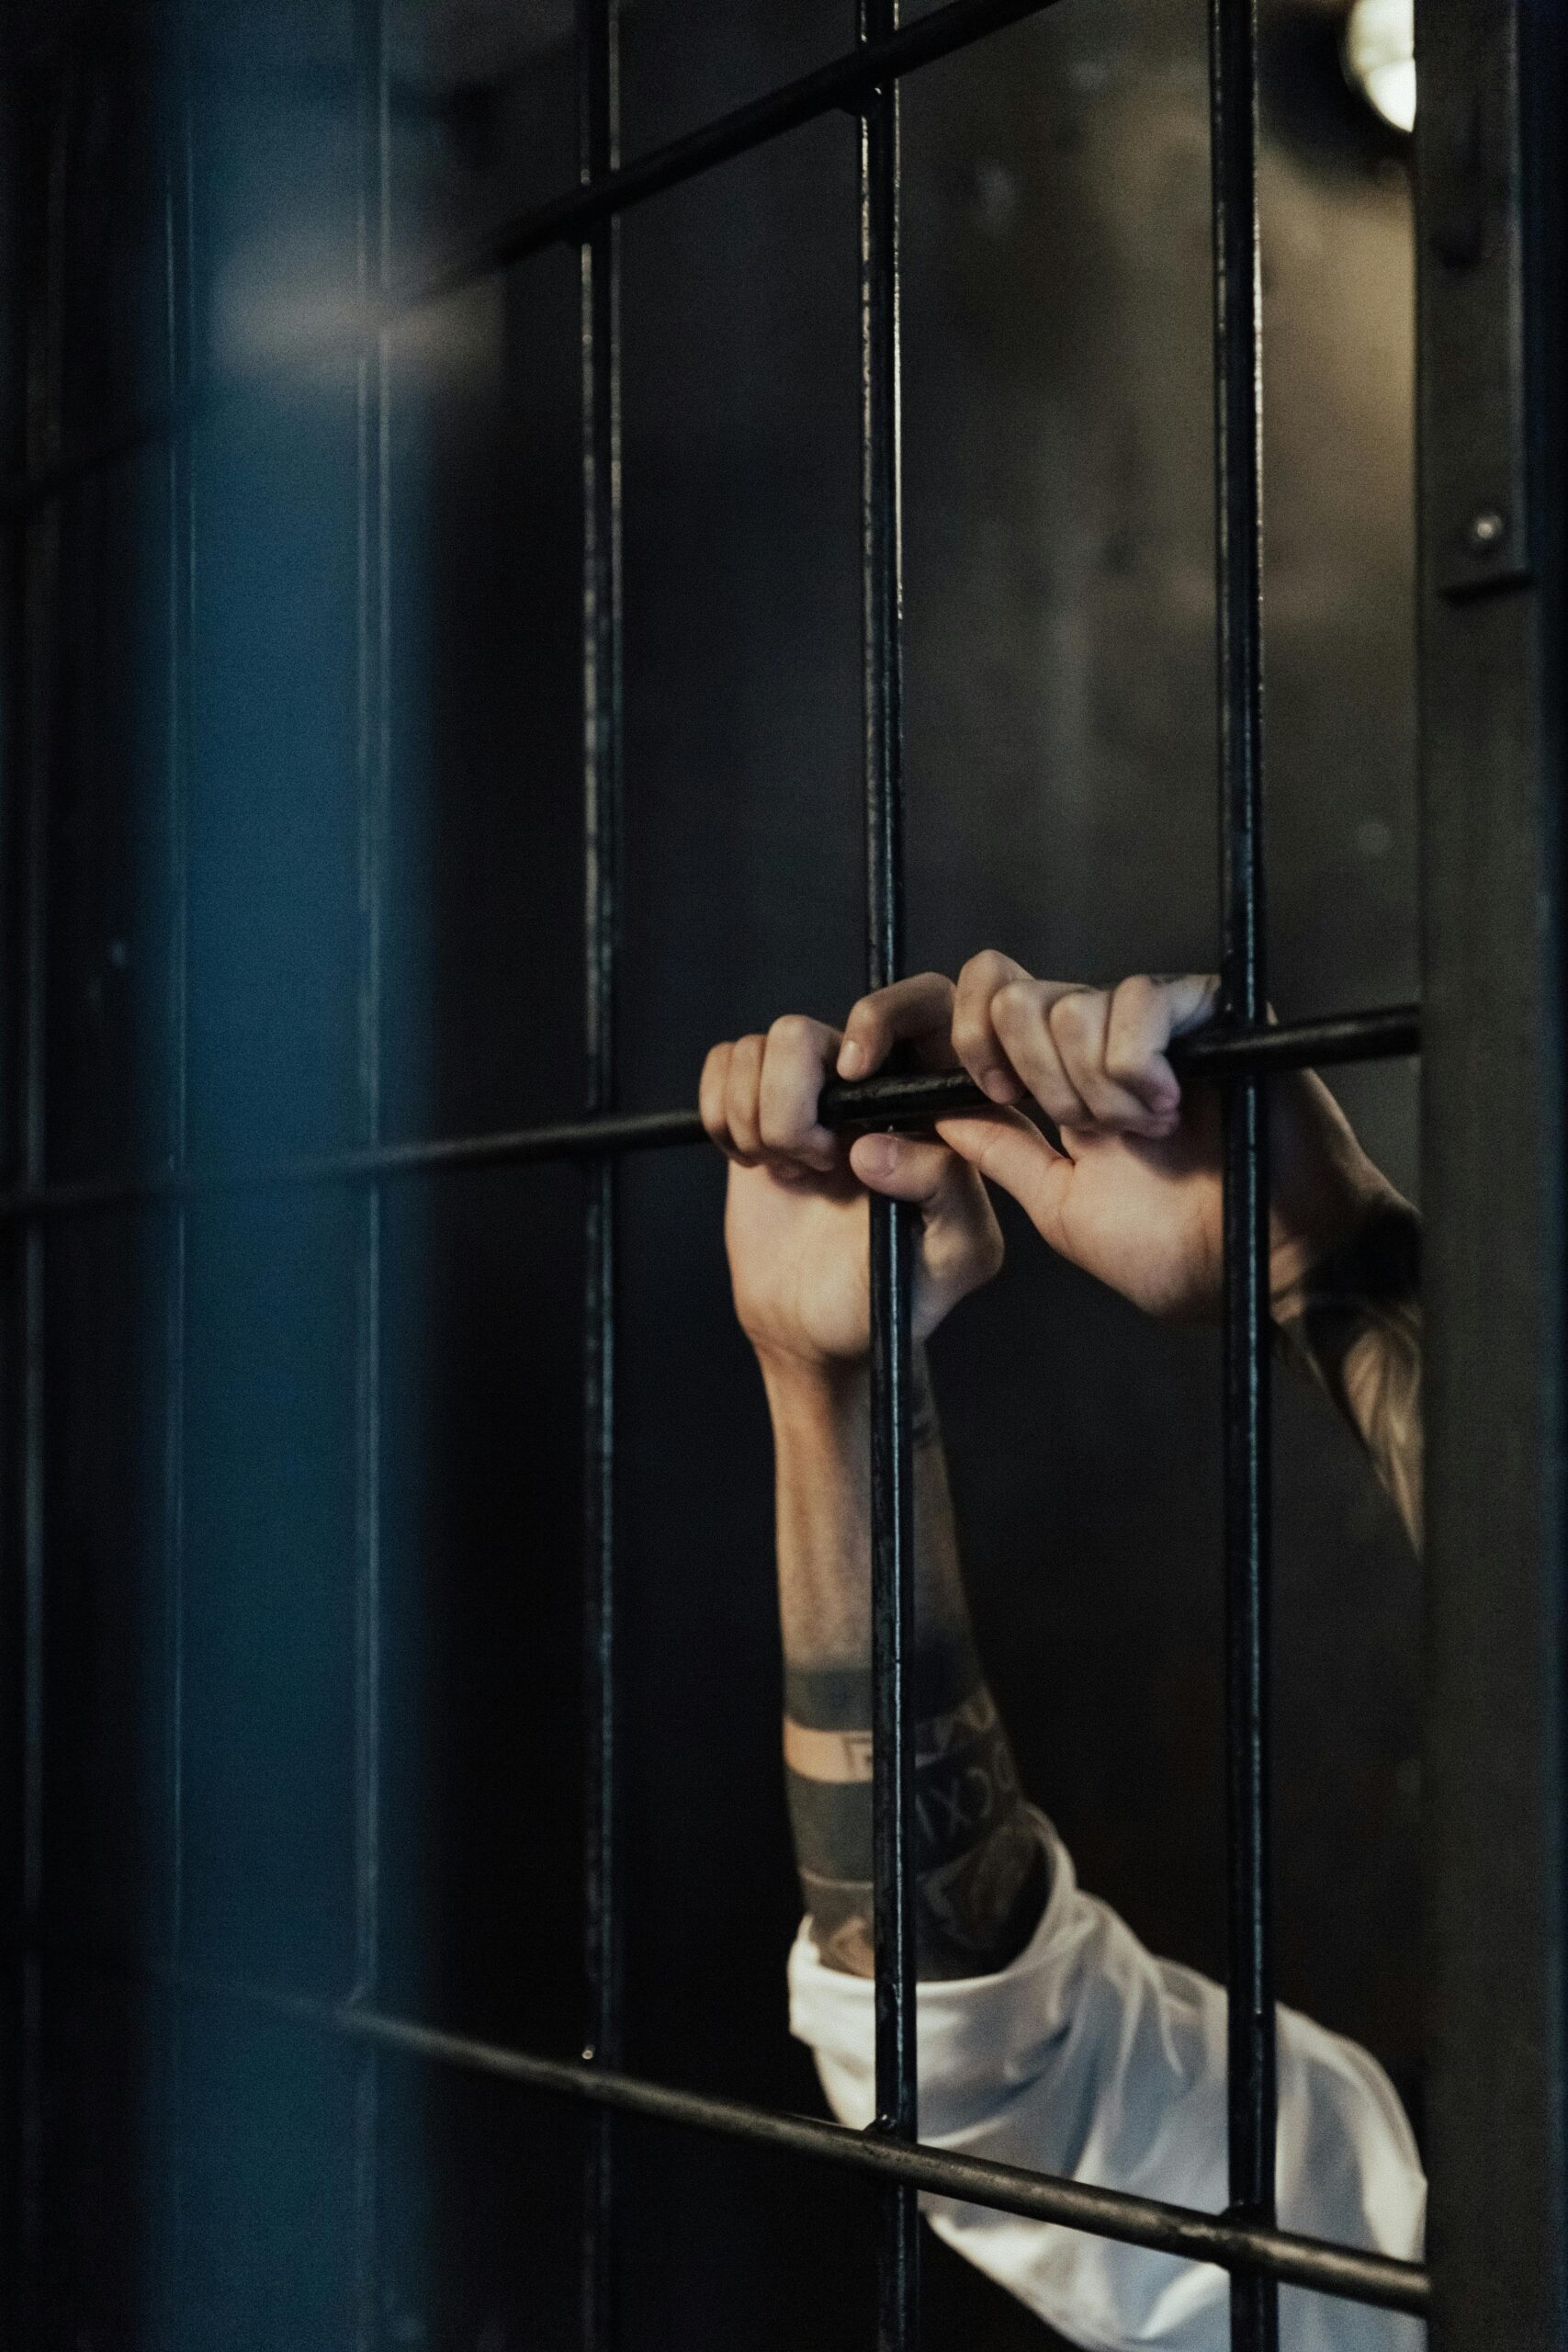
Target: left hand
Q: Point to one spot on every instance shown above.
(798, 1216)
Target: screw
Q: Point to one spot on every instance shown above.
(1486, 529)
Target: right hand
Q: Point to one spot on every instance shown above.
(1134, 1194)
(798, 1215)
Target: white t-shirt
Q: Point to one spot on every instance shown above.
(1088, 2058)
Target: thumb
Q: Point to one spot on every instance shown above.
(1010, 1150)
(953, 1205)
(959, 1241)
(902, 1167)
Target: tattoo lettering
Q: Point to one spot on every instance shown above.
(979, 1862)
(1352, 1323)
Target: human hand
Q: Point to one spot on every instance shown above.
(1133, 1194)
(798, 1214)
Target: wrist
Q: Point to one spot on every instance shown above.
(1374, 1239)
(1326, 1191)
(804, 1391)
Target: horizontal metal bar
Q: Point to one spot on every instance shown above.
(562, 1139)
(1387, 1033)
(1342, 2271)
(842, 83)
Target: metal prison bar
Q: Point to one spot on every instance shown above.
(1492, 890)
(598, 155)
(904, 1101)
(1251, 2086)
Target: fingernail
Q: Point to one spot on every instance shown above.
(997, 1085)
(877, 1155)
(851, 1058)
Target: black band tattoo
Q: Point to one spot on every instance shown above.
(980, 1864)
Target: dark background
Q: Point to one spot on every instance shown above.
(198, 2179)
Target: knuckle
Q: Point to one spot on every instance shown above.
(791, 1029)
(1013, 1005)
(1072, 1016)
(777, 1125)
(1126, 1050)
(989, 965)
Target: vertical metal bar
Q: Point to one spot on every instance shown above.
(1239, 594)
(13, 806)
(41, 619)
(179, 313)
(892, 1496)
(372, 258)
(1492, 388)
(599, 146)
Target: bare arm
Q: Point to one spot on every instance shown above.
(797, 1231)
(1351, 1321)
(980, 1873)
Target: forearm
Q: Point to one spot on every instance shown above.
(979, 1872)
(1352, 1322)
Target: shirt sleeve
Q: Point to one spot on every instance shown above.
(1088, 2058)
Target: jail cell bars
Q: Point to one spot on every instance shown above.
(1242, 1051)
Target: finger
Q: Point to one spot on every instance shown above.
(961, 1242)
(1010, 1150)
(711, 1096)
(798, 1057)
(905, 1168)
(1021, 1013)
(917, 1012)
(975, 1038)
(741, 1103)
(950, 1197)
(1146, 1014)
(1080, 1023)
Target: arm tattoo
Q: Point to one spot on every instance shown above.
(1352, 1323)
(979, 1862)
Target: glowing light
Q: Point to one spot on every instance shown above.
(1379, 57)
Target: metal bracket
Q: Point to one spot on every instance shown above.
(1475, 455)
